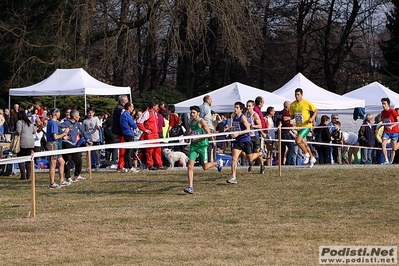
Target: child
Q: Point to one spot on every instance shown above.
(336, 138)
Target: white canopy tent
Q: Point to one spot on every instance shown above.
(372, 94)
(68, 82)
(223, 99)
(325, 101)
(321, 98)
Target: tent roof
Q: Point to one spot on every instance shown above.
(223, 99)
(372, 94)
(74, 81)
(321, 98)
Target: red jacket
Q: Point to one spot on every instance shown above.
(148, 121)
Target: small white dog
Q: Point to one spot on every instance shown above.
(174, 156)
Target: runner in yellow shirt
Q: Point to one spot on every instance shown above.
(300, 110)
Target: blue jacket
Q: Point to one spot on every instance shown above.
(367, 135)
(127, 124)
(74, 129)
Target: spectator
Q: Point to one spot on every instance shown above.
(128, 131)
(116, 128)
(25, 129)
(40, 111)
(334, 117)
(322, 134)
(34, 115)
(288, 134)
(336, 138)
(162, 116)
(351, 138)
(2, 122)
(7, 125)
(271, 134)
(206, 114)
(110, 138)
(75, 133)
(259, 102)
(92, 127)
(53, 136)
(67, 115)
(38, 136)
(367, 139)
(14, 117)
(148, 124)
(174, 120)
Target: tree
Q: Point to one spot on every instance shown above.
(390, 48)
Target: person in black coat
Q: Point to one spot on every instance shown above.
(110, 138)
(322, 134)
(367, 139)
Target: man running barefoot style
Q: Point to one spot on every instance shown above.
(199, 146)
(300, 110)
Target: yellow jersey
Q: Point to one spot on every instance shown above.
(301, 112)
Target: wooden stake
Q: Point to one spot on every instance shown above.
(33, 185)
(89, 163)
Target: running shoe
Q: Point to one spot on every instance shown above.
(189, 190)
(70, 180)
(232, 180)
(312, 162)
(250, 166)
(79, 178)
(307, 156)
(220, 165)
(64, 183)
(133, 170)
(53, 186)
(262, 170)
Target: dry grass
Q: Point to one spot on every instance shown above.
(146, 219)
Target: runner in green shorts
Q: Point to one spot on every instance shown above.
(198, 146)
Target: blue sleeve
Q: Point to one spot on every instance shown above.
(85, 135)
(131, 122)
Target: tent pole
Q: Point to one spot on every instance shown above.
(85, 104)
(55, 101)
(9, 102)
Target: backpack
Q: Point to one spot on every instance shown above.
(6, 169)
(177, 130)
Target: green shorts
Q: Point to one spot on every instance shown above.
(304, 132)
(200, 150)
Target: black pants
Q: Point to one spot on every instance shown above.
(24, 167)
(76, 158)
(128, 153)
(324, 154)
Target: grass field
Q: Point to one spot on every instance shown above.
(145, 218)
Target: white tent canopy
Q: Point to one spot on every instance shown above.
(67, 82)
(321, 98)
(223, 99)
(372, 94)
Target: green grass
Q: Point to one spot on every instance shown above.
(146, 219)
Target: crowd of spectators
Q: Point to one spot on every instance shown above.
(40, 130)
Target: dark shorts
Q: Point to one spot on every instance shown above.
(243, 146)
(255, 142)
(53, 146)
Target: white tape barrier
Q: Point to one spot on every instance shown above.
(154, 143)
